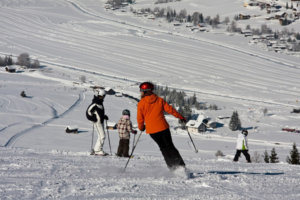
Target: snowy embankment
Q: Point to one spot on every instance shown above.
(32, 174)
(73, 38)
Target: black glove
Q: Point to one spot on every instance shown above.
(183, 121)
(134, 131)
(105, 117)
(143, 128)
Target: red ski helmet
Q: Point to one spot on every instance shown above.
(146, 86)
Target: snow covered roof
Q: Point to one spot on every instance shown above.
(111, 124)
(196, 123)
(193, 123)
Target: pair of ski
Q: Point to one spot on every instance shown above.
(106, 154)
(95, 154)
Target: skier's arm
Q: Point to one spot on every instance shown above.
(140, 118)
(129, 126)
(100, 112)
(246, 143)
(169, 109)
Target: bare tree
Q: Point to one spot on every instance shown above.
(24, 60)
(35, 64)
(195, 18)
(226, 20)
(82, 78)
(182, 14)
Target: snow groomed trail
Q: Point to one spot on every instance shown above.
(193, 60)
(73, 38)
(74, 176)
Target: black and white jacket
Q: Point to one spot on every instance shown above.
(96, 110)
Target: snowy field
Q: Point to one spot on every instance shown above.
(74, 39)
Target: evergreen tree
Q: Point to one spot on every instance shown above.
(201, 18)
(8, 60)
(193, 99)
(189, 18)
(274, 157)
(2, 63)
(168, 16)
(235, 123)
(266, 157)
(294, 158)
(185, 111)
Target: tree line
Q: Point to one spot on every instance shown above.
(293, 158)
(22, 60)
(197, 18)
(184, 103)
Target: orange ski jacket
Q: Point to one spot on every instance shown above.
(150, 113)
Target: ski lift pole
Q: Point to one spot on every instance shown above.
(132, 150)
(196, 150)
(108, 137)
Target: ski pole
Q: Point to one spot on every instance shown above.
(133, 140)
(108, 138)
(132, 151)
(196, 150)
(92, 150)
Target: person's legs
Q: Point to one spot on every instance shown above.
(101, 137)
(171, 155)
(237, 155)
(125, 148)
(247, 156)
(119, 152)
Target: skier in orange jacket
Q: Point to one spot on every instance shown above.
(150, 117)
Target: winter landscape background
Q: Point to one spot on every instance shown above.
(81, 40)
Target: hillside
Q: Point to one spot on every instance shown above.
(74, 39)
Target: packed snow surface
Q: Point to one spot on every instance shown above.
(79, 40)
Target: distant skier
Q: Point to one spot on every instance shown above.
(242, 146)
(23, 94)
(150, 116)
(124, 129)
(96, 113)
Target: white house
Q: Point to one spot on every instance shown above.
(198, 125)
(111, 125)
(11, 68)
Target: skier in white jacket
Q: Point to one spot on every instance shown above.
(242, 146)
(96, 113)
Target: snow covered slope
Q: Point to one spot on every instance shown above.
(74, 39)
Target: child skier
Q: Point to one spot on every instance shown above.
(95, 113)
(242, 146)
(124, 129)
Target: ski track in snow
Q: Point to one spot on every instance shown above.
(65, 34)
(70, 177)
(36, 173)
(11, 141)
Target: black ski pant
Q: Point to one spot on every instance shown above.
(170, 153)
(123, 148)
(238, 154)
